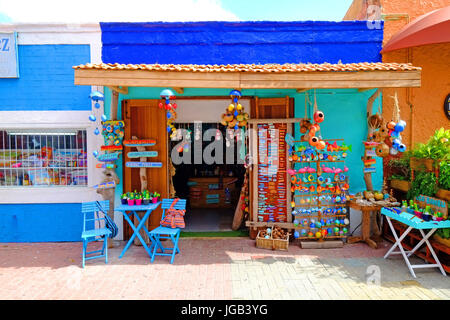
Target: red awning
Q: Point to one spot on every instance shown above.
(432, 27)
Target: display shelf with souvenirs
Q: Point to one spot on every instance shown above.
(38, 158)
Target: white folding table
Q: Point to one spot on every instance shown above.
(413, 222)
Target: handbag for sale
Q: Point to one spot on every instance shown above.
(174, 218)
(109, 223)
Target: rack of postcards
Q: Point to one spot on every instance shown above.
(319, 187)
(272, 186)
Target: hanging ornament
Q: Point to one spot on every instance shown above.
(93, 118)
(95, 153)
(96, 96)
(96, 131)
(235, 115)
(104, 118)
(167, 95)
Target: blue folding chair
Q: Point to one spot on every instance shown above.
(167, 233)
(91, 215)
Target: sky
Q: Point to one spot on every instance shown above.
(82, 11)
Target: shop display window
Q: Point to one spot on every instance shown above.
(43, 157)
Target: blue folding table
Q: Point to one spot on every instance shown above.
(128, 212)
(413, 222)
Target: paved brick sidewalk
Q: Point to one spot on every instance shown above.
(213, 269)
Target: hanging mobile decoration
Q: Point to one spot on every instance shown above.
(96, 96)
(235, 115)
(168, 95)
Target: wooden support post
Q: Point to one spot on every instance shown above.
(367, 175)
(114, 104)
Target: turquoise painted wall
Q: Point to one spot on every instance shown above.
(345, 117)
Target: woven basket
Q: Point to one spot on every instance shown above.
(272, 244)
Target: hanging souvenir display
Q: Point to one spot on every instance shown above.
(319, 183)
(139, 144)
(170, 107)
(235, 116)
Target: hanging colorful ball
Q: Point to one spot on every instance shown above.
(97, 105)
(303, 232)
(345, 230)
(310, 234)
(96, 131)
(318, 235)
(296, 234)
(95, 153)
(295, 222)
(336, 230)
(92, 118)
(104, 118)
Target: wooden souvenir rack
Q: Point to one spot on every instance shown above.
(342, 208)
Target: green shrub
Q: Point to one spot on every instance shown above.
(424, 183)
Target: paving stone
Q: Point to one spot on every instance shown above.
(213, 269)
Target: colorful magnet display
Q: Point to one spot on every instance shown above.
(113, 132)
(171, 114)
(235, 115)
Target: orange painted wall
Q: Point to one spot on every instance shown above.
(427, 101)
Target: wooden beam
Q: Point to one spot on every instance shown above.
(301, 90)
(122, 90)
(305, 80)
(178, 90)
(277, 120)
(364, 89)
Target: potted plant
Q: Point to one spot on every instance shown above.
(131, 199)
(138, 198)
(123, 198)
(156, 195)
(146, 197)
(398, 172)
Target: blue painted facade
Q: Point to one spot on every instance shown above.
(240, 42)
(46, 83)
(46, 79)
(40, 222)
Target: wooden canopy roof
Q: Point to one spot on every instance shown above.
(251, 76)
